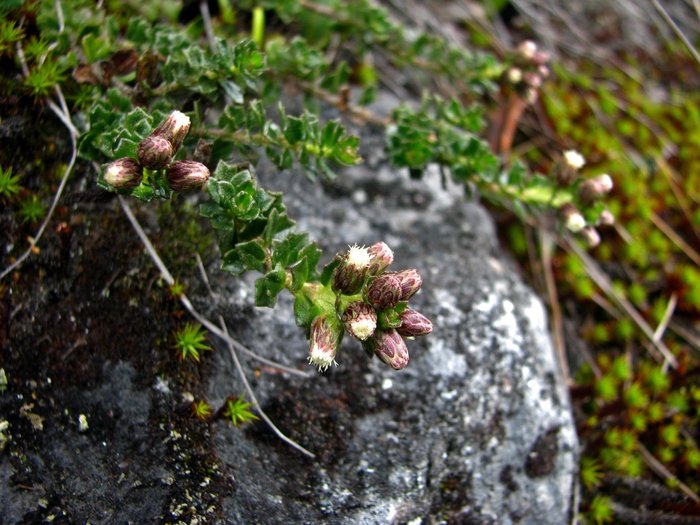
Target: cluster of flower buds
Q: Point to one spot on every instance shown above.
(372, 306)
(588, 193)
(528, 71)
(156, 152)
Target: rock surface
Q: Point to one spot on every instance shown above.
(477, 429)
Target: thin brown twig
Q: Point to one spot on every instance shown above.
(677, 239)
(208, 27)
(661, 471)
(677, 30)
(603, 281)
(672, 178)
(168, 278)
(254, 399)
(546, 244)
(668, 314)
(73, 133)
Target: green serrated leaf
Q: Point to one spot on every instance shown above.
(252, 254)
(222, 149)
(208, 209)
(328, 270)
(125, 148)
(233, 91)
(277, 223)
(331, 133)
(255, 116)
(269, 286)
(226, 195)
(287, 160)
(138, 31)
(117, 100)
(222, 221)
(231, 262)
(295, 131)
(233, 118)
(143, 192)
(300, 273)
(304, 311)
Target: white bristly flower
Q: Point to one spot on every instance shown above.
(574, 159)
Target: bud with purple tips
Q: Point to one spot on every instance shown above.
(593, 189)
(350, 274)
(174, 129)
(411, 282)
(606, 218)
(184, 175)
(389, 347)
(154, 153)
(384, 292)
(124, 174)
(414, 324)
(527, 49)
(360, 320)
(590, 236)
(325, 338)
(381, 258)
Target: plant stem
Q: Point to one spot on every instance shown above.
(258, 30)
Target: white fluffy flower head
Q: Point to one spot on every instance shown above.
(180, 121)
(574, 159)
(358, 257)
(321, 358)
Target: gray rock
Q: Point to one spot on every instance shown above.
(477, 428)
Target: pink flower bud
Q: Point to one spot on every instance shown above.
(527, 49)
(389, 347)
(360, 320)
(531, 95)
(540, 58)
(532, 79)
(384, 292)
(381, 258)
(411, 282)
(325, 338)
(184, 175)
(174, 129)
(124, 174)
(593, 189)
(350, 274)
(606, 218)
(591, 236)
(414, 324)
(154, 153)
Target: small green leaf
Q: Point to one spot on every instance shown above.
(328, 270)
(252, 254)
(305, 310)
(233, 118)
(255, 117)
(300, 273)
(269, 286)
(276, 223)
(138, 31)
(233, 91)
(222, 149)
(231, 262)
(295, 131)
